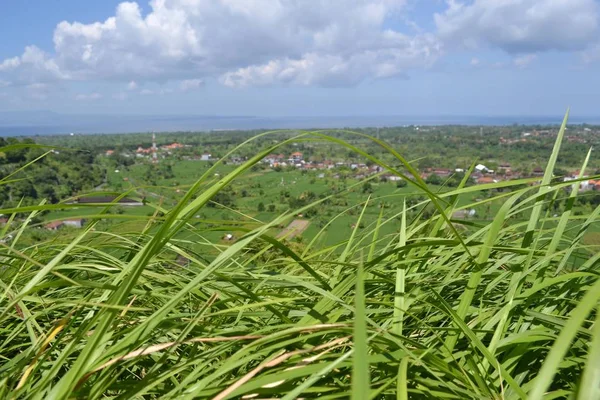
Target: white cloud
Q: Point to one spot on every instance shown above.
(524, 61)
(10, 63)
(475, 61)
(296, 42)
(88, 96)
(345, 41)
(520, 26)
(4, 83)
(190, 84)
(33, 65)
(338, 70)
(146, 92)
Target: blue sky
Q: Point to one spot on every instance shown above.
(300, 57)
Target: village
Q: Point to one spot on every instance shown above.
(481, 175)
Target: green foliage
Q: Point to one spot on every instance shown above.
(38, 173)
(401, 306)
(434, 179)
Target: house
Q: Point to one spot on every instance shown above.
(486, 179)
(391, 177)
(75, 223)
(442, 172)
(296, 156)
(462, 214)
(271, 159)
(575, 174)
(173, 146)
(235, 159)
(481, 168)
(140, 150)
(54, 225)
(109, 153)
(537, 171)
(205, 157)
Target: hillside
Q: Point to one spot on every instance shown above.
(391, 292)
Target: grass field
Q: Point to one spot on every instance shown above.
(266, 186)
(394, 302)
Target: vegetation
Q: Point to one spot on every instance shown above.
(32, 173)
(410, 303)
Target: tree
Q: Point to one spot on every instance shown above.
(261, 207)
(433, 179)
(271, 207)
(426, 162)
(24, 189)
(367, 187)
(47, 192)
(401, 183)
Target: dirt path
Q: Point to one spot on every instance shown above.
(295, 228)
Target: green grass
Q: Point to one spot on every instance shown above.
(402, 305)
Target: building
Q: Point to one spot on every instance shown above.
(442, 172)
(109, 153)
(54, 225)
(296, 156)
(462, 214)
(205, 157)
(274, 159)
(486, 179)
(75, 223)
(173, 146)
(391, 177)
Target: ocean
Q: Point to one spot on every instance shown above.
(52, 124)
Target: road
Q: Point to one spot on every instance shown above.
(295, 228)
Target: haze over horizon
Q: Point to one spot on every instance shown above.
(281, 58)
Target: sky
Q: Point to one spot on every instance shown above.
(301, 57)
